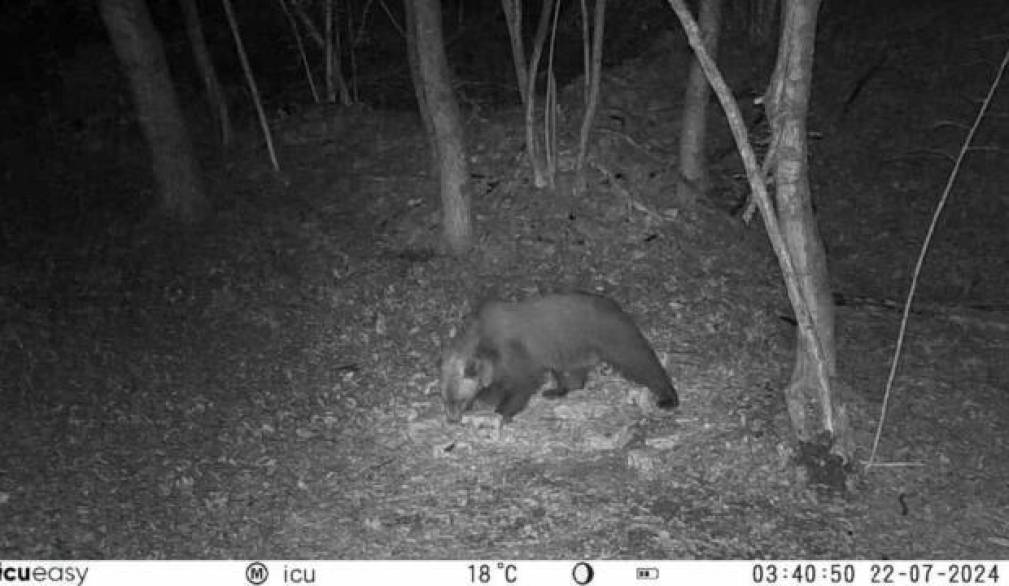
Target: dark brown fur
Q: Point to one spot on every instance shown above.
(502, 353)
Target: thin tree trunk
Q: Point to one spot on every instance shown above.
(138, 46)
(586, 50)
(513, 18)
(208, 73)
(301, 50)
(413, 58)
(328, 27)
(550, 109)
(310, 29)
(337, 56)
(787, 103)
(594, 76)
(250, 79)
(541, 177)
(693, 179)
(446, 121)
(815, 417)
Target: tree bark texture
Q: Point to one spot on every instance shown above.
(138, 46)
(693, 179)
(787, 102)
(446, 122)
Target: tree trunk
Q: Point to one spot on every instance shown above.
(594, 79)
(787, 106)
(208, 74)
(413, 58)
(820, 424)
(334, 59)
(441, 106)
(693, 179)
(542, 176)
(513, 18)
(138, 46)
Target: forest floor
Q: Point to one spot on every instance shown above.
(265, 386)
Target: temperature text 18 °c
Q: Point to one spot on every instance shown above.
(493, 573)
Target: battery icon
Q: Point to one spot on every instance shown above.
(647, 573)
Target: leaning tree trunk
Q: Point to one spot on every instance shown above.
(693, 178)
(823, 431)
(787, 102)
(446, 122)
(138, 46)
(208, 73)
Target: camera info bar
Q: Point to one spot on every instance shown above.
(502, 573)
